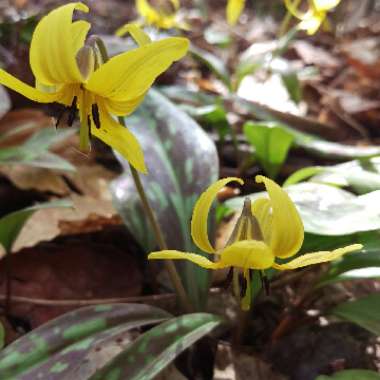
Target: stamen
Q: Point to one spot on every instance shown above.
(89, 126)
(95, 115)
(59, 117)
(265, 282)
(228, 280)
(72, 112)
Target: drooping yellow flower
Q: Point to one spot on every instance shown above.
(233, 10)
(163, 16)
(71, 73)
(315, 16)
(266, 230)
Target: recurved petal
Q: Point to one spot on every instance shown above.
(233, 10)
(136, 32)
(55, 43)
(250, 254)
(200, 214)
(178, 255)
(120, 139)
(29, 92)
(287, 228)
(123, 108)
(292, 9)
(325, 5)
(317, 257)
(129, 75)
(312, 24)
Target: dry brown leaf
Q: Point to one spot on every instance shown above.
(88, 215)
(31, 178)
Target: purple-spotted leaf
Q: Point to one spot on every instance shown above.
(154, 350)
(58, 348)
(182, 162)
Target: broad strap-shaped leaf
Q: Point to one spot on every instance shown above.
(154, 350)
(11, 224)
(365, 312)
(352, 374)
(53, 350)
(182, 162)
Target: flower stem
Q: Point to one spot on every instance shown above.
(285, 22)
(170, 267)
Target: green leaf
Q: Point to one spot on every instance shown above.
(352, 374)
(154, 350)
(271, 146)
(182, 162)
(302, 174)
(365, 264)
(365, 312)
(2, 336)
(11, 224)
(59, 348)
(213, 62)
(293, 86)
(327, 210)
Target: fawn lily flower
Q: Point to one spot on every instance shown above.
(234, 10)
(163, 16)
(71, 73)
(315, 16)
(267, 230)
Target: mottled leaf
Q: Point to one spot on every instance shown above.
(352, 374)
(365, 312)
(11, 224)
(182, 162)
(154, 350)
(53, 350)
(34, 151)
(327, 210)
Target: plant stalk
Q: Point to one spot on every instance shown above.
(285, 22)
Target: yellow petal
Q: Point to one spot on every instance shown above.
(146, 11)
(55, 42)
(129, 75)
(245, 254)
(233, 10)
(294, 11)
(28, 91)
(136, 32)
(312, 24)
(177, 255)
(325, 5)
(317, 257)
(120, 139)
(200, 214)
(286, 225)
(261, 209)
(120, 108)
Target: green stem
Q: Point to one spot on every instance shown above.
(169, 265)
(285, 22)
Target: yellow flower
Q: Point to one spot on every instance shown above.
(315, 16)
(266, 230)
(161, 17)
(71, 73)
(233, 10)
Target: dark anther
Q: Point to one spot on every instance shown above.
(95, 115)
(72, 112)
(244, 284)
(228, 280)
(265, 283)
(89, 126)
(59, 117)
